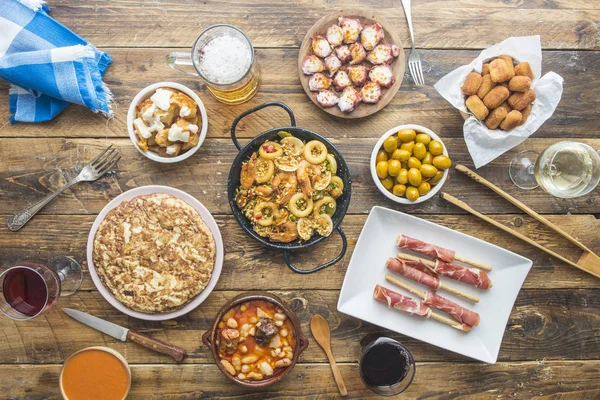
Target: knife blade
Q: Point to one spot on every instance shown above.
(121, 333)
(114, 330)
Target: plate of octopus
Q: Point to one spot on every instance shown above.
(351, 64)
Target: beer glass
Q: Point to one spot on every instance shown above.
(223, 57)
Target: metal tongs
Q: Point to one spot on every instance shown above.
(588, 262)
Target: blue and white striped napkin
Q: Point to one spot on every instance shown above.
(47, 65)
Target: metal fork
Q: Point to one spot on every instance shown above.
(414, 60)
(91, 172)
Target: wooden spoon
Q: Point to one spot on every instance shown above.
(320, 330)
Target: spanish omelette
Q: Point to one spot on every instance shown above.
(154, 253)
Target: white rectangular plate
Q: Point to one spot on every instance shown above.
(377, 242)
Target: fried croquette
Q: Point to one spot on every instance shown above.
(486, 86)
(476, 106)
(471, 84)
(511, 121)
(519, 84)
(495, 117)
(524, 69)
(499, 71)
(520, 100)
(496, 96)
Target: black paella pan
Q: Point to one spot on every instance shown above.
(234, 181)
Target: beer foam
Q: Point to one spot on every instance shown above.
(225, 59)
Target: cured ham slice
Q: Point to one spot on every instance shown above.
(471, 276)
(406, 242)
(400, 302)
(457, 312)
(411, 270)
(407, 304)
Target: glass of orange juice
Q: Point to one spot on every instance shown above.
(95, 373)
(223, 57)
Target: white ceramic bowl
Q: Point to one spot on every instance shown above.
(386, 193)
(206, 217)
(146, 93)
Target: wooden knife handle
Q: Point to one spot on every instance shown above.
(161, 347)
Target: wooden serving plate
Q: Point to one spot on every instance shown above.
(398, 66)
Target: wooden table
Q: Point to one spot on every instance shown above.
(551, 346)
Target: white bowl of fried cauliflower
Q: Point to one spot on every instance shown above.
(167, 122)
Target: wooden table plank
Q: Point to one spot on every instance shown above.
(33, 168)
(255, 265)
(523, 380)
(437, 23)
(550, 324)
(134, 69)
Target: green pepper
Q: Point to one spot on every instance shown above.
(283, 134)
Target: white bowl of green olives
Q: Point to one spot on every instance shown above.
(409, 164)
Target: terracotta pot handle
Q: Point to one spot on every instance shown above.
(206, 338)
(303, 343)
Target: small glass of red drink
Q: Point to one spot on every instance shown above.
(30, 289)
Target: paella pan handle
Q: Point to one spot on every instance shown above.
(288, 261)
(255, 109)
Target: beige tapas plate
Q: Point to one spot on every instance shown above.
(398, 65)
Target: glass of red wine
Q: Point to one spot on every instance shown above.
(387, 367)
(29, 289)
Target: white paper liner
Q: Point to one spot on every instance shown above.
(484, 144)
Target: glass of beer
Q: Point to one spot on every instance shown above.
(565, 169)
(223, 57)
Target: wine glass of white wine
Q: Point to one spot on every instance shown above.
(565, 169)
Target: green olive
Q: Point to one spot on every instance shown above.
(408, 146)
(388, 183)
(428, 159)
(414, 177)
(394, 167)
(436, 148)
(399, 190)
(406, 135)
(401, 154)
(438, 177)
(402, 177)
(423, 138)
(412, 193)
(428, 171)
(442, 162)
(382, 169)
(390, 144)
(414, 162)
(419, 151)
(381, 156)
(424, 188)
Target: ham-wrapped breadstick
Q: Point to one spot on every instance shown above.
(470, 276)
(431, 299)
(405, 242)
(457, 312)
(418, 272)
(409, 305)
(400, 302)
(440, 253)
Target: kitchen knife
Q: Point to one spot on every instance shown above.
(121, 333)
